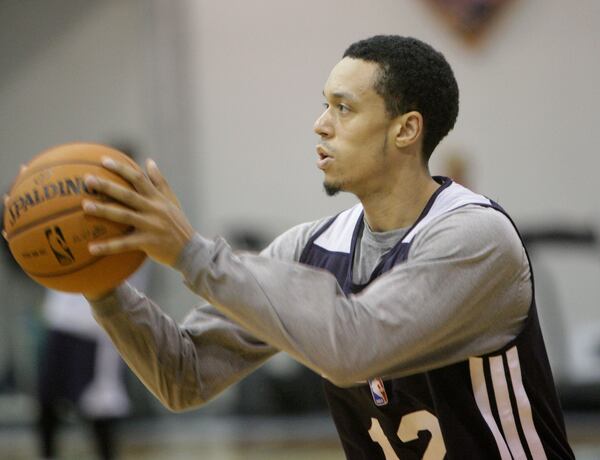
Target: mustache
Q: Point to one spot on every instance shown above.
(326, 146)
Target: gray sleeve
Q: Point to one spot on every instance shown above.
(464, 291)
(186, 365)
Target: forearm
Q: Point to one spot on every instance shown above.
(424, 314)
(302, 311)
(183, 366)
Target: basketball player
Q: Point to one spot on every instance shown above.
(416, 305)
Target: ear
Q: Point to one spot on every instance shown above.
(409, 128)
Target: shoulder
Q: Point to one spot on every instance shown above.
(289, 245)
(471, 230)
(473, 218)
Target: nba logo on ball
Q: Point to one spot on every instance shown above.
(58, 245)
(378, 391)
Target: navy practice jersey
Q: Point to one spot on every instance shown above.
(499, 406)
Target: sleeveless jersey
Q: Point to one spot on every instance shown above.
(502, 405)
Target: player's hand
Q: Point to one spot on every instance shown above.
(161, 229)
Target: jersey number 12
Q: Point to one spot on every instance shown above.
(409, 428)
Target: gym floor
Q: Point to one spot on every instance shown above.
(194, 436)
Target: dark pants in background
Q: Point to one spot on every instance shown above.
(66, 369)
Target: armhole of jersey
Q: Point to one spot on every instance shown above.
(313, 237)
(531, 311)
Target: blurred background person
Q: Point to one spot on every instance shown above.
(458, 168)
(80, 373)
(19, 338)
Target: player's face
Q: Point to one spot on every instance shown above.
(354, 130)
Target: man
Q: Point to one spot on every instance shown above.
(416, 305)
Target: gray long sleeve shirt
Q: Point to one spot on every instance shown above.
(464, 290)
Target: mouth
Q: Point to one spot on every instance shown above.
(324, 158)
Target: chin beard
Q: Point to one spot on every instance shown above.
(332, 189)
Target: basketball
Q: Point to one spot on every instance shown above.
(47, 231)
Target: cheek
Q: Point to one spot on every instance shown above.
(359, 142)
(368, 134)
(361, 139)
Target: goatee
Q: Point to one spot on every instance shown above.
(331, 189)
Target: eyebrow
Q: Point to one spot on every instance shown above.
(342, 95)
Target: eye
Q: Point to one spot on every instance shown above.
(343, 108)
(325, 105)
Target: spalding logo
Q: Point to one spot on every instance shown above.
(51, 190)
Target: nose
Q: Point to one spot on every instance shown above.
(323, 125)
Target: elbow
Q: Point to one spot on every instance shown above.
(178, 405)
(177, 400)
(343, 376)
(342, 368)
(175, 408)
(341, 382)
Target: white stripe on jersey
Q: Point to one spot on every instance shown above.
(524, 407)
(483, 402)
(506, 413)
(338, 237)
(453, 197)
(505, 410)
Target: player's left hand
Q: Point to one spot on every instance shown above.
(161, 229)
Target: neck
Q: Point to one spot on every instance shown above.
(398, 205)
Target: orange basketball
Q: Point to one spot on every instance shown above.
(47, 231)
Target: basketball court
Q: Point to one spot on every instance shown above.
(194, 436)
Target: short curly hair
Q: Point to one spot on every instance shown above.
(412, 76)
